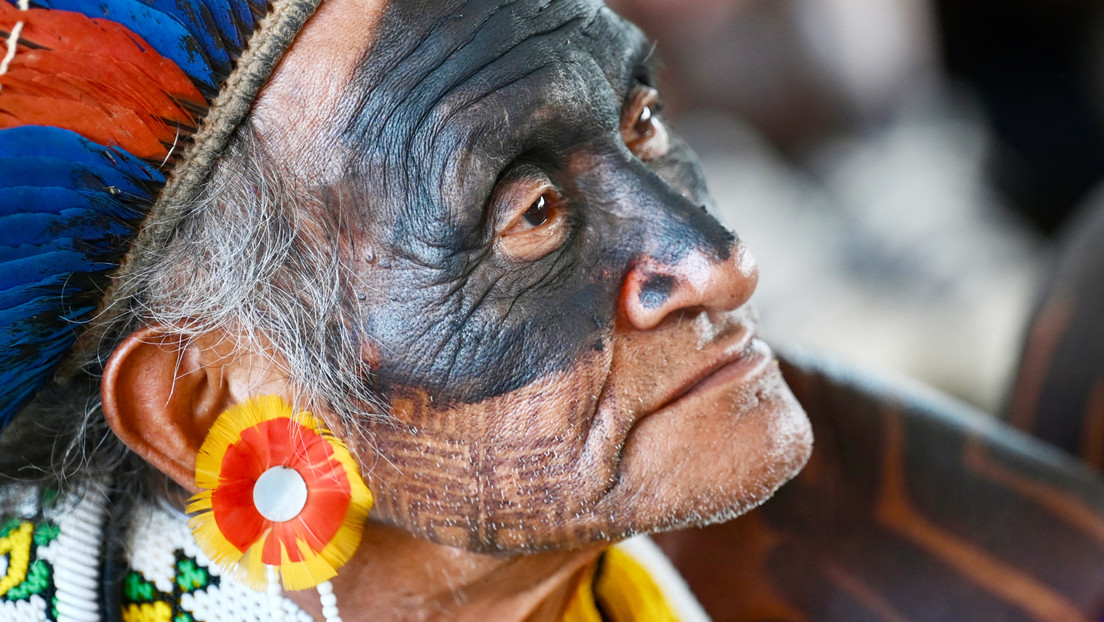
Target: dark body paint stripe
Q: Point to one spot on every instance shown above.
(1058, 395)
(911, 508)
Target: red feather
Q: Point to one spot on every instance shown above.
(116, 98)
(98, 79)
(125, 83)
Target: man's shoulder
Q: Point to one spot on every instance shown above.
(913, 506)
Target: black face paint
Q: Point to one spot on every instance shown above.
(451, 99)
(655, 291)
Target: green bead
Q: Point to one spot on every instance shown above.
(137, 589)
(8, 525)
(190, 576)
(45, 533)
(38, 579)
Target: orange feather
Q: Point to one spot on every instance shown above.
(113, 99)
(125, 83)
(123, 128)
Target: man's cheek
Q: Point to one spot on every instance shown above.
(483, 475)
(481, 344)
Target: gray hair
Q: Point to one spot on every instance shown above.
(257, 258)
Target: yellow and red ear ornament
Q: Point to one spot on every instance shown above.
(279, 494)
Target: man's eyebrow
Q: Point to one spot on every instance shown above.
(646, 62)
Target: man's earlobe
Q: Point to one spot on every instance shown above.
(160, 396)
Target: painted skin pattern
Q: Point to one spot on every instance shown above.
(469, 343)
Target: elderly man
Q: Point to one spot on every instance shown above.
(429, 314)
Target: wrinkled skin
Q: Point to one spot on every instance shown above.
(540, 282)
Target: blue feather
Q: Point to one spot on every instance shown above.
(259, 7)
(36, 229)
(97, 249)
(243, 14)
(40, 317)
(197, 20)
(52, 171)
(35, 140)
(68, 207)
(50, 260)
(55, 200)
(45, 288)
(24, 315)
(33, 349)
(228, 24)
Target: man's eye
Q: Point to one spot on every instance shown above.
(533, 218)
(644, 126)
(537, 214)
(641, 129)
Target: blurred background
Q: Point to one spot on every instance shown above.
(900, 168)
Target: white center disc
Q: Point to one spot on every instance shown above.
(280, 494)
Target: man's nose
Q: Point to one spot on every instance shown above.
(654, 290)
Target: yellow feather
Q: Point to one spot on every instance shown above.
(246, 566)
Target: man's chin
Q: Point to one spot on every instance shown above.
(713, 459)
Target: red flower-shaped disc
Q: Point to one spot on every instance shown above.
(277, 490)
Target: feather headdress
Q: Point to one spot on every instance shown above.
(110, 111)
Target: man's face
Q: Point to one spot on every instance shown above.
(556, 321)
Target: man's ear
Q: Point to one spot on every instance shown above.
(160, 395)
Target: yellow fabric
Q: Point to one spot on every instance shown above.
(620, 588)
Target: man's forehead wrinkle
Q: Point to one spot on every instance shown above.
(387, 100)
(461, 126)
(442, 146)
(440, 121)
(449, 52)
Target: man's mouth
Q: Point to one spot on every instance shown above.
(741, 359)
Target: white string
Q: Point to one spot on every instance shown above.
(13, 40)
(275, 602)
(329, 602)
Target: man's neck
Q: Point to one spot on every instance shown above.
(394, 576)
